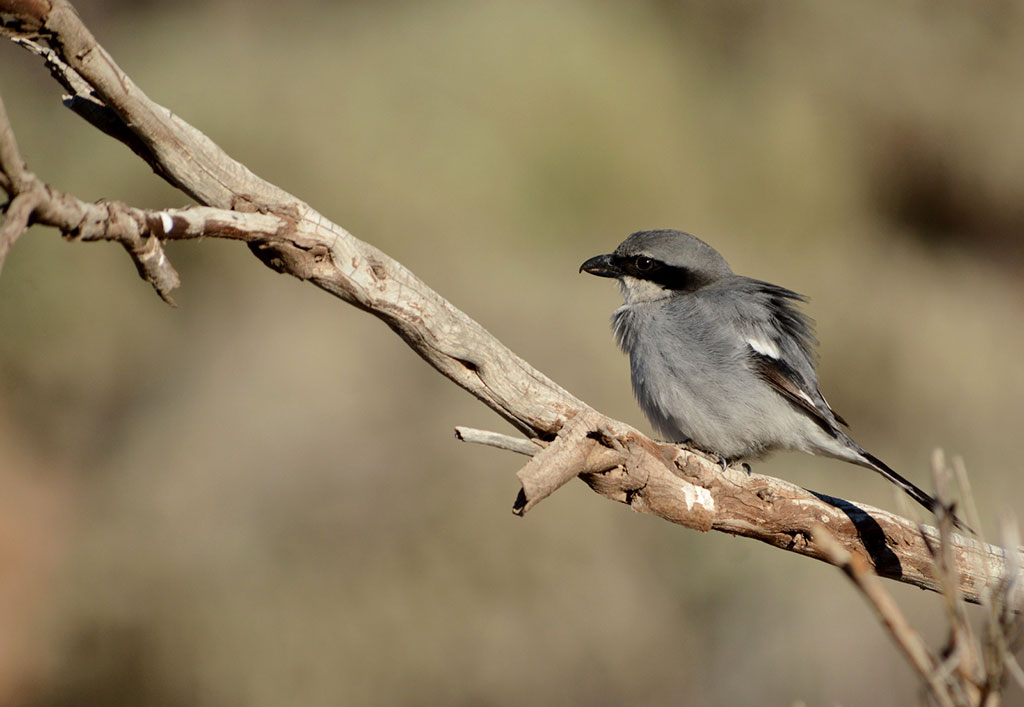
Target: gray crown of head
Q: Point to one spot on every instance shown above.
(676, 249)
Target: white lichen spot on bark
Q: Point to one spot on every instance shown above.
(698, 495)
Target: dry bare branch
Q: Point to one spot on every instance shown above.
(571, 438)
(888, 611)
(140, 231)
(973, 668)
(498, 440)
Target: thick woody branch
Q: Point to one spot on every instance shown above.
(567, 437)
(691, 489)
(81, 99)
(316, 249)
(139, 231)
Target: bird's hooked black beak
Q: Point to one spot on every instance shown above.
(602, 266)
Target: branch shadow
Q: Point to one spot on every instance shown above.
(886, 562)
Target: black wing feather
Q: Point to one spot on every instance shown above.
(785, 381)
(798, 328)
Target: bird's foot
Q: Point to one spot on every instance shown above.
(715, 456)
(726, 464)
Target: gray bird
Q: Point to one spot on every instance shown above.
(721, 361)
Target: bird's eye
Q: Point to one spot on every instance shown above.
(643, 263)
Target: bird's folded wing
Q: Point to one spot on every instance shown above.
(790, 385)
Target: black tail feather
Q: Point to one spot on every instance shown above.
(911, 490)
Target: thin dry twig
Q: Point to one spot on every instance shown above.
(519, 445)
(19, 211)
(13, 167)
(16, 182)
(972, 670)
(140, 231)
(1005, 625)
(888, 612)
(966, 494)
(961, 655)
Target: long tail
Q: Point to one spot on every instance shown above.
(911, 490)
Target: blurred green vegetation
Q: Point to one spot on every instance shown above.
(256, 498)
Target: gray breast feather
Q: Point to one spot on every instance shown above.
(693, 376)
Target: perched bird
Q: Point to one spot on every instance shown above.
(721, 361)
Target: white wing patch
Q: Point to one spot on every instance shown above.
(765, 347)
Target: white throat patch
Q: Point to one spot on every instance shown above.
(635, 290)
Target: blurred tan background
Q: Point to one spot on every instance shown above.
(256, 499)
